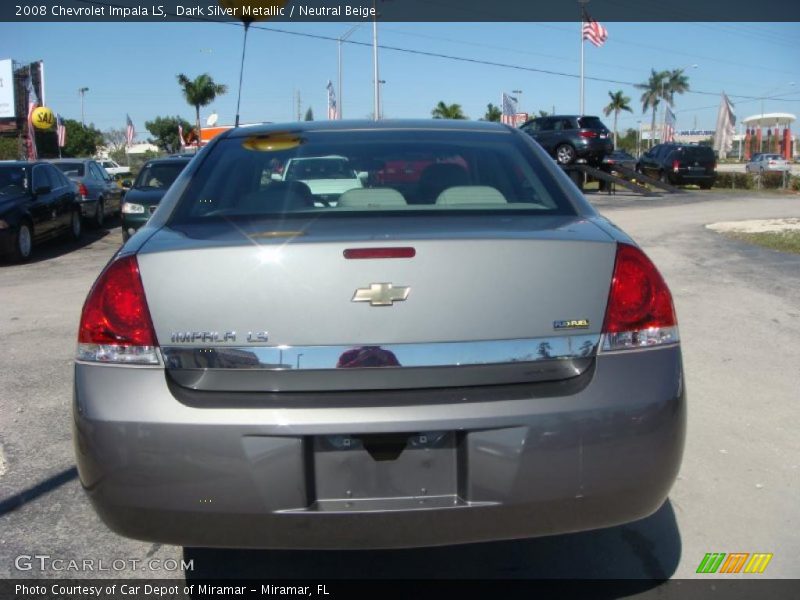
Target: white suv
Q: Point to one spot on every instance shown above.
(113, 168)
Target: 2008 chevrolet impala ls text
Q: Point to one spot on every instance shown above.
(456, 348)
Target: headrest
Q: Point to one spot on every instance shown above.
(371, 198)
(471, 194)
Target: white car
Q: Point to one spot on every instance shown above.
(761, 163)
(328, 177)
(112, 167)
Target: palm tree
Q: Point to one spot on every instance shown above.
(653, 92)
(448, 111)
(619, 101)
(676, 83)
(200, 92)
(493, 113)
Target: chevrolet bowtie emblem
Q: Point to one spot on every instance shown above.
(381, 294)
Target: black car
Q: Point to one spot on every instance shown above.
(142, 199)
(680, 164)
(37, 202)
(571, 138)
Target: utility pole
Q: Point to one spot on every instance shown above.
(82, 91)
(375, 78)
(339, 41)
(299, 106)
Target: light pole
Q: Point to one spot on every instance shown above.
(377, 92)
(339, 41)
(380, 99)
(82, 91)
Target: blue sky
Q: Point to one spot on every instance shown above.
(131, 67)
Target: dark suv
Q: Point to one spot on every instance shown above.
(571, 138)
(680, 164)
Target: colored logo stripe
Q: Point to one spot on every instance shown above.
(734, 562)
(757, 563)
(711, 562)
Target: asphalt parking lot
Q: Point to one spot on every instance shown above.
(739, 313)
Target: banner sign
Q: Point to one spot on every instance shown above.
(7, 90)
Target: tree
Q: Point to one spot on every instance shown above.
(493, 113)
(652, 95)
(448, 111)
(115, 139)
(81, 141)
(165, 132)
(619, 101)
(309, 115)
(676, 83)
(544, 113)
(200, 92)
(627, 141)
(10, 148)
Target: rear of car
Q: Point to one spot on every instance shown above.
(766, 163)
(142, 199)
(472, 355)
(571, 139)
(691, 165)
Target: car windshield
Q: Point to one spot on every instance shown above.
(399, 171)
(72, 169)
(13, 179)
(773, 157)
(159, 175)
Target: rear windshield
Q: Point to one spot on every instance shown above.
(13, 179)
(75, 169)
(773, 157)
(397, 172)
(694, 152)
(590, 123)
(159, 175)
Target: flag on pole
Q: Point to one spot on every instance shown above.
(180, 135)
(33, 102)
(333, 110)
(669, 126)
(130, 130)
(593, 31)
(726, 127)
(61, 131)
(509, 106)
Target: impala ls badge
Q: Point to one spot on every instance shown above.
(381, 294)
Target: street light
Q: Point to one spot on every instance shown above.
(380, 99)
(82, 91)
(339, 41)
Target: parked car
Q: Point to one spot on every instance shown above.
(98, 194)
(764, 163)
(36, 203)
(571, 138)
(113, 167)
(680, 164)
(142, 199)
(621, 158)
(494, 360)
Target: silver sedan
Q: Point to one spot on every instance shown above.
(98, 194)
(456, 349)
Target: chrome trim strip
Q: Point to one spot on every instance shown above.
(435, 354)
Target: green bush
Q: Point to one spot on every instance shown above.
(739, 181)
(772, 181)
(794, 184)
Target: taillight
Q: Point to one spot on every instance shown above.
(587, 134)
(675, 166)
(82, 190)
(115, 323)
(639, 311)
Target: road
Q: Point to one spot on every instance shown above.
(739, 312)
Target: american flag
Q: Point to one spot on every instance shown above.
(130, 131)
(180, 135)
(593, 31)
(333, 109)
(509, 110)
(669, 126)
(61, 131)
(32, 104)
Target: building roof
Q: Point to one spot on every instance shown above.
(770, 119)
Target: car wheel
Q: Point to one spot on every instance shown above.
(99, 214)
(125, 235)
(706, 185)
(76, 226)
(664, 177)
(23, 242)
(565, 154)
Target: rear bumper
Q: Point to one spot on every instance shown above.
(518, 461)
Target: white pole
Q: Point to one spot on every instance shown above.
(341, 95)
(582, 4)
(376, 91)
